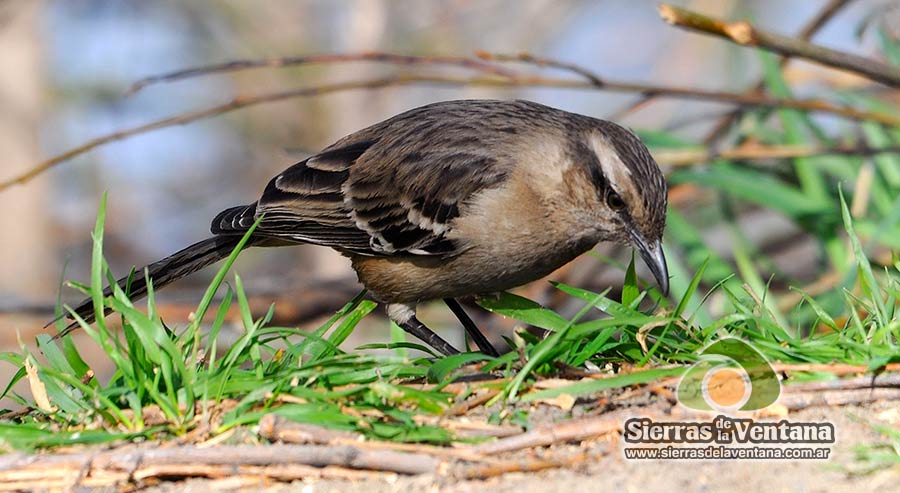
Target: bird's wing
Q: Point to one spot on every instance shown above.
(391, 189)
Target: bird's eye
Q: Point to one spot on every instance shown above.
(615, 202)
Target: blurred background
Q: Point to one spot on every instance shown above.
(66, 66)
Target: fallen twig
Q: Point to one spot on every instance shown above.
(461, 387)
(484, 471)
(276, 428)
(481, 396)
(743, 33)
(317, 456)
(884, 380)
(280, 461)
(569, 431)
(835, 368)
(803, 400)
(463, 429)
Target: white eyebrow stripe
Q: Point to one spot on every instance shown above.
(614, 170)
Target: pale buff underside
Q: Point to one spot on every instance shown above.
(519, 211)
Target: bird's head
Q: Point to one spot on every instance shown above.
(631, 194)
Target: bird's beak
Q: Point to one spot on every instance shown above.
(653, 256)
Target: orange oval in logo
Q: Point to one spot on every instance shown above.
(726, 387)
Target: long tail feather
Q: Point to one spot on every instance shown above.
(162, 272)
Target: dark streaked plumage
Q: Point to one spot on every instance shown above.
(455, 198)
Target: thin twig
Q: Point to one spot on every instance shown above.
(317, 456)
(68, 471)
(480, 397)
(689, 157)
(568, 431)
(236, 103)
(525, 57)
(279, 429)
(10, 415)
(327, 58)
(816, 23)
(743, 33)
(835, 368)
(820, 19)
(884, 380)
(816, 105)
(485, 471)
(809, 30)
(804, 400)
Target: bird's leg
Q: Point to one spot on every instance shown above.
(405, 317)
(480, 340)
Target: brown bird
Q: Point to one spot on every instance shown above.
(452, 199)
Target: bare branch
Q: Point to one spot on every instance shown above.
(499, 468)
(819, 20)
(725, 97)
(833, 368)
(689, 157)
(328, 58)
(567, 431)
(530, 59)
(68, 471)
(279, 429)
(809, 30)
(184, 118)
(886, 380)
(803, 400)
(816, 23)
(743, 33)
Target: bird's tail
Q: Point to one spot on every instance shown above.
(163, 272)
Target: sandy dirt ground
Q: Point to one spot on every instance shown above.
(608, 470)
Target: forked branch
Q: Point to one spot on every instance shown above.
(743, 33)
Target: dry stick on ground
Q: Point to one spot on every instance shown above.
(570, 431)
(804, 400)
(484, 471)
(835, 368)
(286, 462)
(143, 462)
(808, 31)
(743, 33)
(280, 429)
(889, 380)
(276, 428)
(757, 100)
(480, 397)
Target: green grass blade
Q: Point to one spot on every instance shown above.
(524, 310)
(592, 386)
(868, 282)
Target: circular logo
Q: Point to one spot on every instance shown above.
(729, 375)
(726, 388)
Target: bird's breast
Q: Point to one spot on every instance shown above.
(509, 236)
